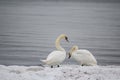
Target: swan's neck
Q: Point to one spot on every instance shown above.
(57, 44)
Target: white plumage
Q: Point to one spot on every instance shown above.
(55, 58)
(58, 56)
(82, 56)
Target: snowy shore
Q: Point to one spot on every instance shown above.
(64, 72)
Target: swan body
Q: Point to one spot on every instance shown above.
(57, 56)
(82, 56)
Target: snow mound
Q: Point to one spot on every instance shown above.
(65, 72)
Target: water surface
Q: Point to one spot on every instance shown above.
(28, 30)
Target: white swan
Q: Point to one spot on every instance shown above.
(82, 56)
(56, 57)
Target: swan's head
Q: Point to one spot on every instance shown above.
(73, 49)
(57, 42)
(64, 36)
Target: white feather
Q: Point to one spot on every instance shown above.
(58, 56)
(55, 58)
(84, 57)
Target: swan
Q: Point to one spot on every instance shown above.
(82, 56)
(57, 56)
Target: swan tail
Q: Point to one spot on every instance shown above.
(44, 61)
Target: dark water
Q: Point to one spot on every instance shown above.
(28, 30)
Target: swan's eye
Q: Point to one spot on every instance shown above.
(66, 38)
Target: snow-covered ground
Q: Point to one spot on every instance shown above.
(64, 72)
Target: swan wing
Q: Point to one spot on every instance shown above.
(53, 54)
(56, 56)
(84, 52)
(86, 56)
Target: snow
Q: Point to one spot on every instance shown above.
(64, 72)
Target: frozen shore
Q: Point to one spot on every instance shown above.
(64, 72)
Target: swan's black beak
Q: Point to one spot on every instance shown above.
(66, 38)
(69, 56)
